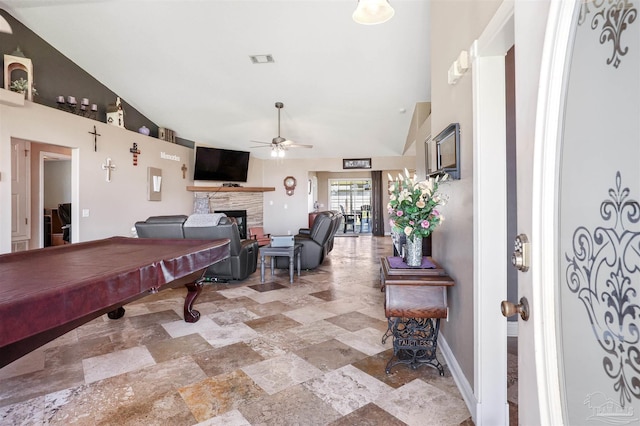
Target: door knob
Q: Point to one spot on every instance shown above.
(509, 308)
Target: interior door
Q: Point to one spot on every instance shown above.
(586, 217)
(20, 194)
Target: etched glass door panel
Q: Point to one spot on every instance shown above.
(598, 249)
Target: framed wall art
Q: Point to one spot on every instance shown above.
(356, 163)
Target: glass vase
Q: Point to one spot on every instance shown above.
(414, 251)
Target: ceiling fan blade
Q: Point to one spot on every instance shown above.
(291, 144)
(299, 145)
(266, 143)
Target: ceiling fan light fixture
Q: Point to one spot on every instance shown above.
(372, 12)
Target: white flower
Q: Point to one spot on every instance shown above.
(407, 230)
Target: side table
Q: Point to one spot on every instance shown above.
(292, 253)
(415, 301)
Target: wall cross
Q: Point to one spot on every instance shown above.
(95, 138)
(108, 167)
(184, 171)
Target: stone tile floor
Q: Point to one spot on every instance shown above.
(307, 353)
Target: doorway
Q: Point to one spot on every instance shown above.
(53, 189)
(352, 197)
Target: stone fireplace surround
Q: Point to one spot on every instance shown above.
(252, 202)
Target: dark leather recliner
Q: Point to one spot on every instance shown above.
(243, 258)
(316, 242)
(161, 227)
(243, 253)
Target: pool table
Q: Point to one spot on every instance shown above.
(47, 292)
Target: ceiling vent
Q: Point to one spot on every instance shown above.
(261, 59)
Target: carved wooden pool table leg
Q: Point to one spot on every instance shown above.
(193, 290)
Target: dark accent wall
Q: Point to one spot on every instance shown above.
(55, 75)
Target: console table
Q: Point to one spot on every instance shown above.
(415, 301)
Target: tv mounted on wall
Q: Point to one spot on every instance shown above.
(221, 165)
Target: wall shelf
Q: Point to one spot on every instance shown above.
(7, 97)
(231, 188)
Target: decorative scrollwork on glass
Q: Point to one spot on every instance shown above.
(611, 18)
(604, 272)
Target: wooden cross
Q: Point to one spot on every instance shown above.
(184, 171)
(135, 151)
(108, 167)
(95, 138)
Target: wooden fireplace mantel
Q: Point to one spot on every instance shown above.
(231, 188)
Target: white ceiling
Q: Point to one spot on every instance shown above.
(348, 89)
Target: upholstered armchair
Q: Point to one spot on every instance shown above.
(257, 233)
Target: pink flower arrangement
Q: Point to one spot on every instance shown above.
(412, 205)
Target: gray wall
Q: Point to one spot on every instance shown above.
(462, 22)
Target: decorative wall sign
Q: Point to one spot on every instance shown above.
(154, 184)
(356, 163)
(603, 272)
(171, 157)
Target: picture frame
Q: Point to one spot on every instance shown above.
(356, 163)
(447, 146)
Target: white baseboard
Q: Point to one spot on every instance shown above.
(461, 381)
(512, 328)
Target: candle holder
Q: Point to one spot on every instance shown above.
(83, 109)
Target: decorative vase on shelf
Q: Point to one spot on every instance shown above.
(414, 251)
(144, 130)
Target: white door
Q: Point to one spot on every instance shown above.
(585, 263)
(20, 194)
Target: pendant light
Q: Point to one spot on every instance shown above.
(371, 12)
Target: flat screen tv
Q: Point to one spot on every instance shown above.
(220, 164)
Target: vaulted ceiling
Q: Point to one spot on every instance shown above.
(348, 89)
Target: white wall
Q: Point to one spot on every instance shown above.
(113, 206)
(283, 213)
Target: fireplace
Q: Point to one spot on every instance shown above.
(240, 216)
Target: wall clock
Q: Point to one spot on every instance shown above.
(290, 184)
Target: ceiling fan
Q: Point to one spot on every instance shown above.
(279, 144)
